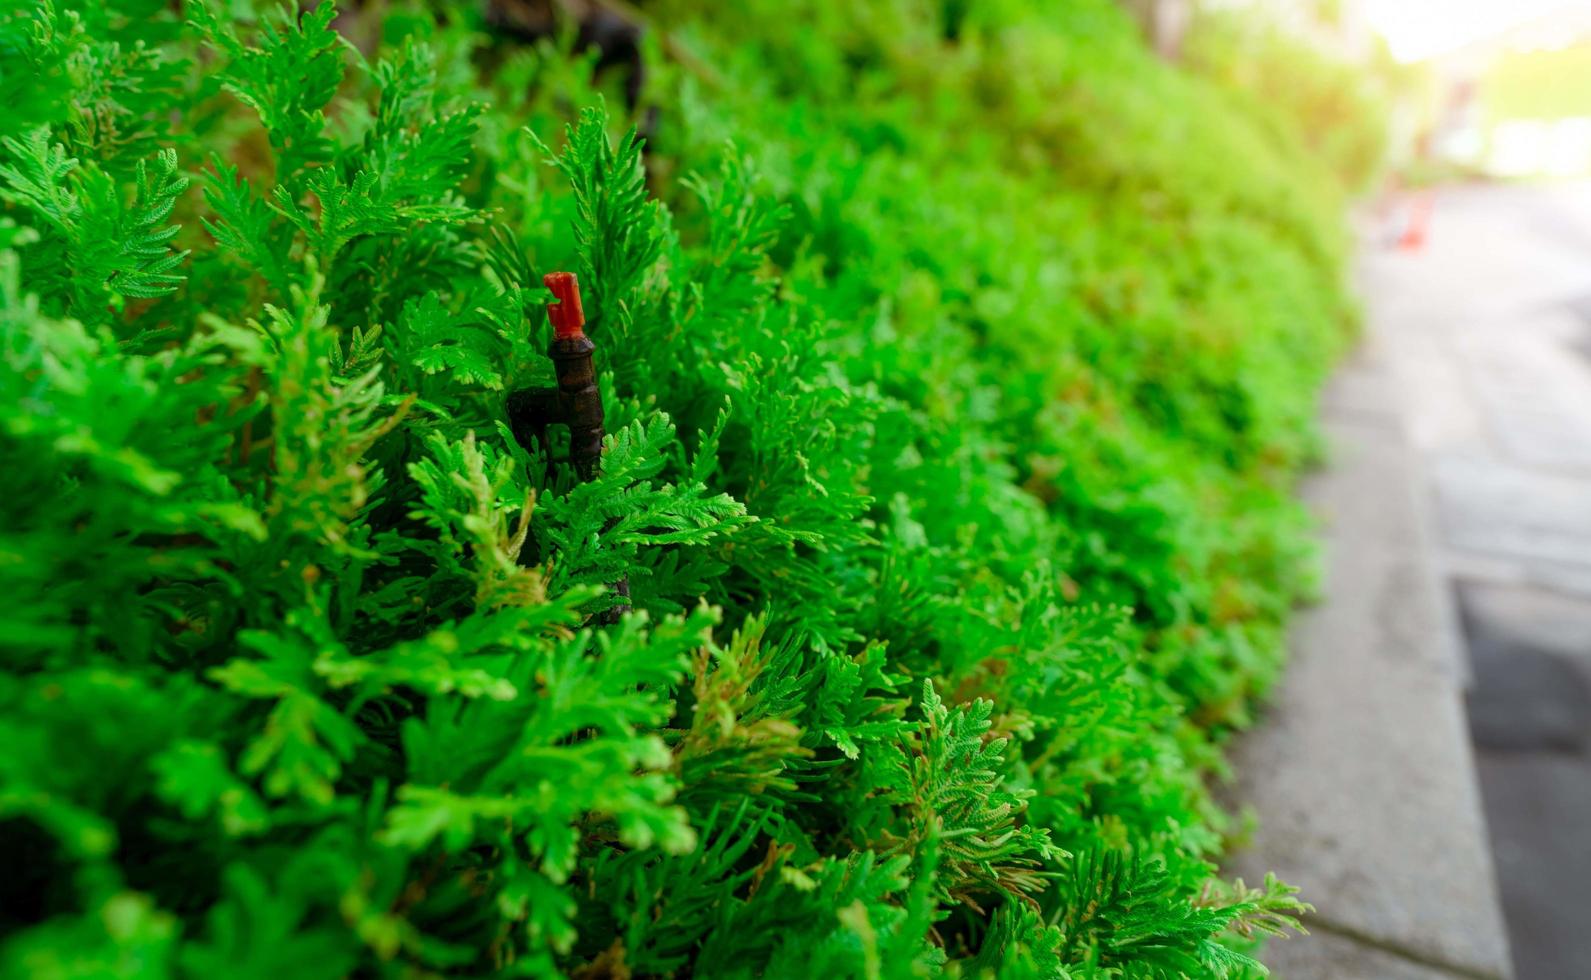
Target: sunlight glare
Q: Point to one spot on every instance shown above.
(1420, 29)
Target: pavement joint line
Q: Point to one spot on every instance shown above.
(1418, 957)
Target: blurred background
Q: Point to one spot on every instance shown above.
(1474, 87)
(1474, 225)
(1046, 281)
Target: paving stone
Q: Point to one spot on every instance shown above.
(1524, 616)
(1537, 806)
(1363, 777)
(1565, 578)
(1323, 956)
(1534, 392)
(1493, 252)
(1529, 701)
(1530, 717)
(1530, 657)
(1489, 336)
(1362, 774)
(1361, 388)
(1434, 391)
(1489, 506)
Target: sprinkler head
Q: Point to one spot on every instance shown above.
(565, 315)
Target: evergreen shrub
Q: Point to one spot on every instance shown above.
(958, 363)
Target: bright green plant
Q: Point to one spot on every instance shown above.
(958, 360)
(1331, 113)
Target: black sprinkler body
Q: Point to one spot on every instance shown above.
(575, 402)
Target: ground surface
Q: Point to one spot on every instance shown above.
(1458, 516)
(1489, 331)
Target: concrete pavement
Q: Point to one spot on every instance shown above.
(1362, 773)
(1458, 521)
(1508, 446)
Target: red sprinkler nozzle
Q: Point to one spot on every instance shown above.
(566, 315)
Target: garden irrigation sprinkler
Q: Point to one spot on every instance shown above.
(574, 402)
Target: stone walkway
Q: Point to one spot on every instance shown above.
(1507, 441)
(1362, 774)
(1458, 517)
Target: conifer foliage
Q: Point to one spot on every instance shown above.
(957, 529)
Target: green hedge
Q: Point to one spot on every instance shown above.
(958, 363)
